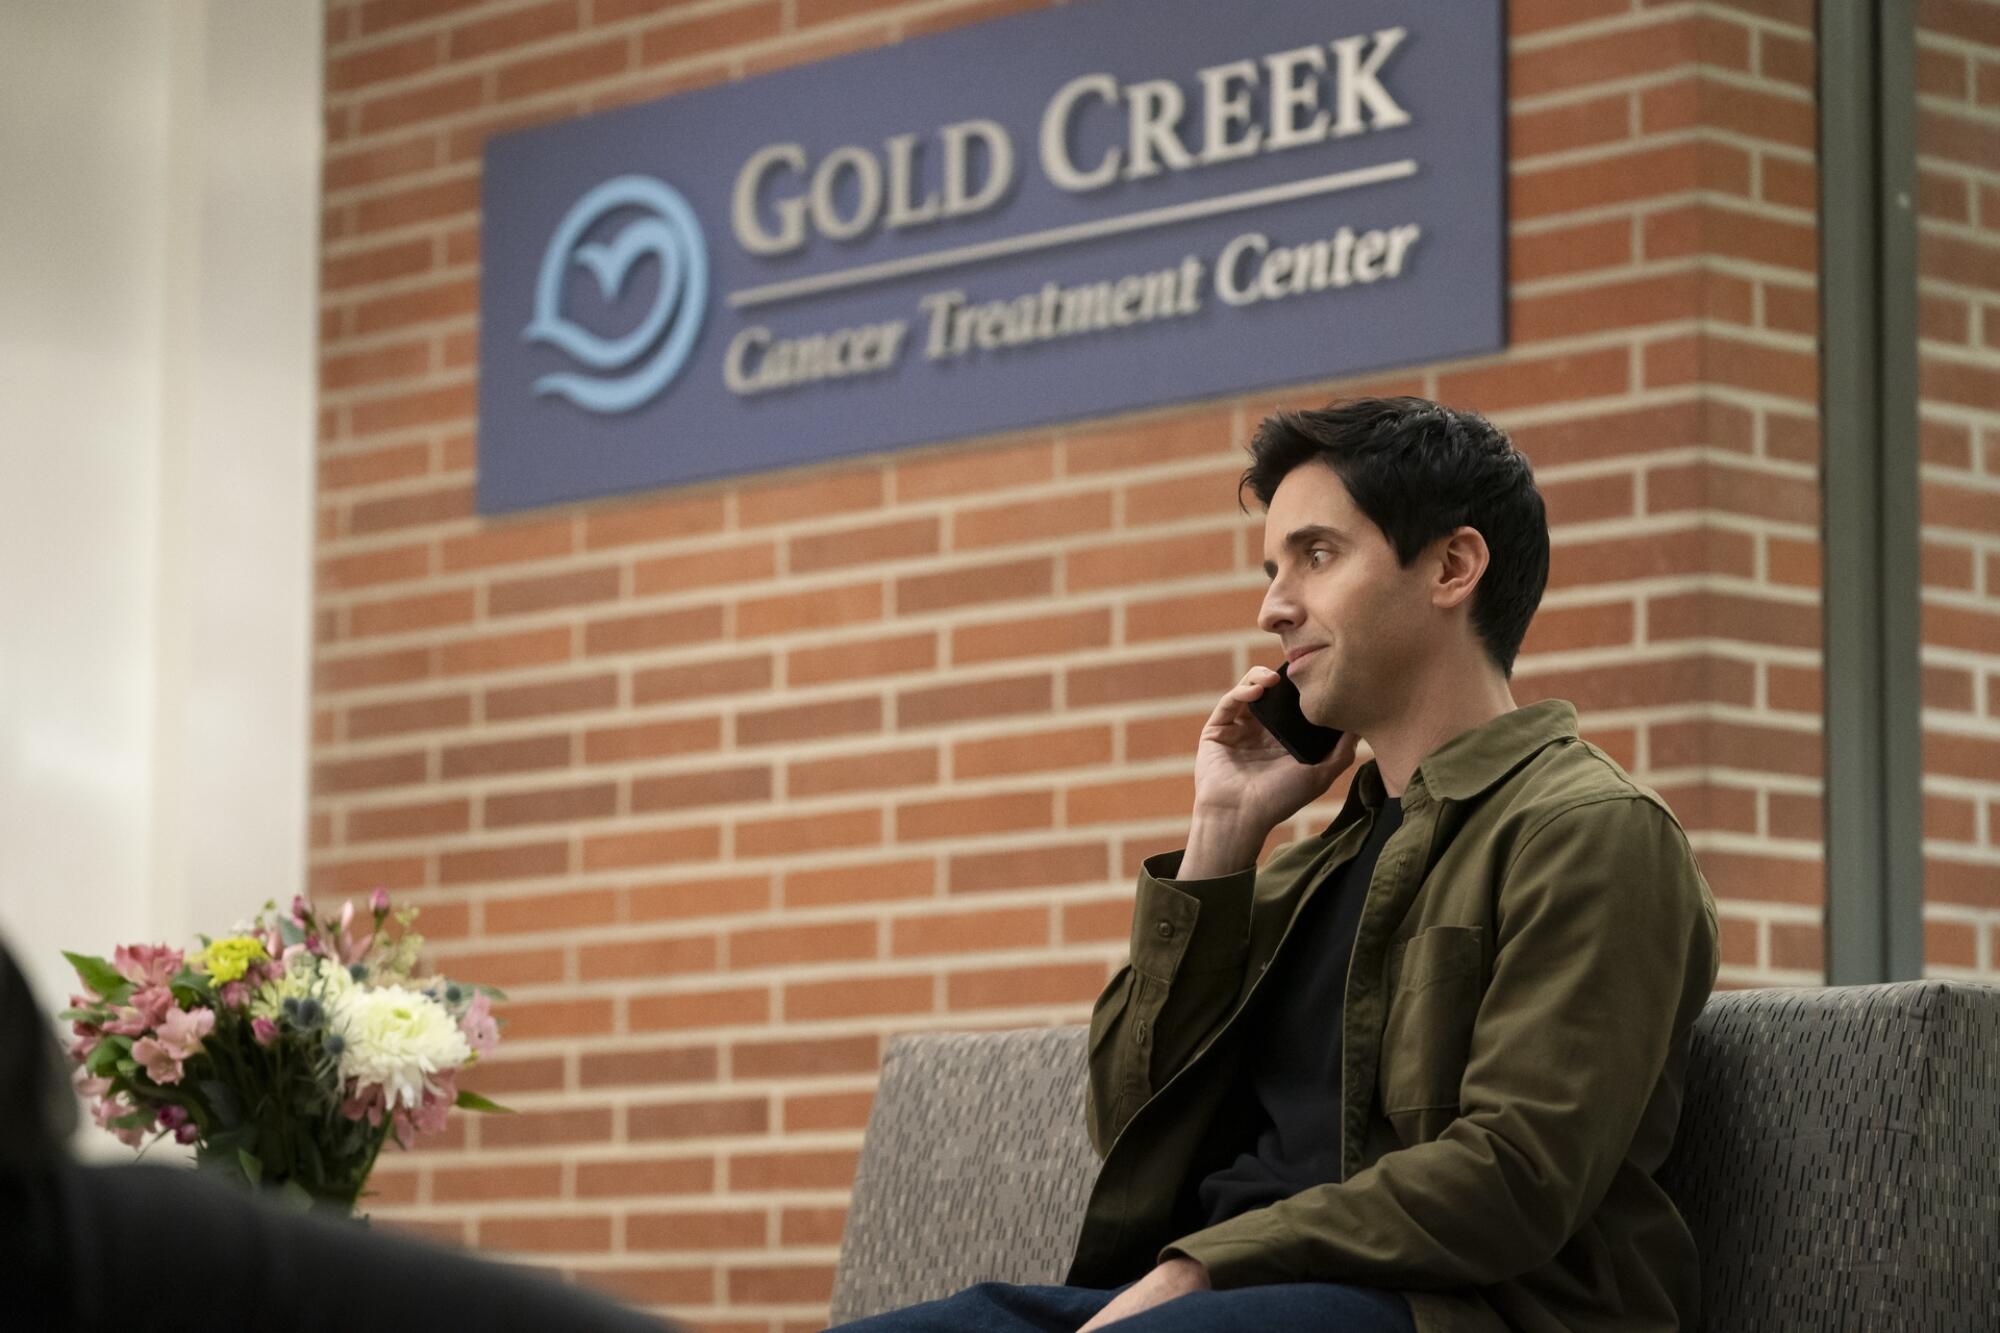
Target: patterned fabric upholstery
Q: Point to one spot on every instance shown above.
(1838, 1160)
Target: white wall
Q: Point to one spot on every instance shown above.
(159, 169)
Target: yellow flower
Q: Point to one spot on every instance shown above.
(228, 959)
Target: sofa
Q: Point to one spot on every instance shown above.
(1838, 1160)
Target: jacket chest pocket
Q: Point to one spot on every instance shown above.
(1427, 1037)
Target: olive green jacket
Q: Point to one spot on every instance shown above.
(1533, 951)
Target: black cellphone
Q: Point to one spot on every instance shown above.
(1278, 709)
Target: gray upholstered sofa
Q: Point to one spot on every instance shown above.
(1838, 1159)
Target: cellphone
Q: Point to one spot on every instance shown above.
(1278, 709)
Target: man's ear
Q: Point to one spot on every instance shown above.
(1462, 559)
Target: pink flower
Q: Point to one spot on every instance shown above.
(364, 1103)
(482, 1032)
(147, 964)
(187, 1133)
(160, 1064)
(263, 1031)
(378, 901)
(235, 994)
(301, 909)
(173, 1117)
(127, 1022)
(110, 1109)
(346, 947)
(429, 1115)
(153, 1003)
(182, 1030)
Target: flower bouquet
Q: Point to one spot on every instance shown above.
(287, 1053)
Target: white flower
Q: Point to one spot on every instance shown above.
(306, 975)
(395, 1039)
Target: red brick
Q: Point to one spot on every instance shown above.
(902, 539)
(516, 755)
(550, 805)
(816, 496)
(416, 820)
(701, 1009)
(379, 64)
(1129, 800)
(1207, 675)
(365, 268)
(361, 671)
(681, 735)
(969, 932)
(562, 69)
(809, 1112)
(508, 543)
(1522, 381)
(624, 524)
(521, 26)
(702, 842)
(1009, 987)
(743, 674)
(745, 563)
(667, 957)
(432, 713)
(709, 1229)
(782, 946)
(574, 695)
(683, 899)
(963, 470)
(1153, 560)
(868, 659)
(684, 38)
(872, 770)
(702, 787)
(487, 653)
(1032, 752)
(1561, 251)
(804, 1057)
(807, 1001)
(1034, 867)
(1031, 520)
(581, 1124)
(481, 1184)
(557, 1234)
(942, 705)
(699, 1119)
(797, 835)
(674, 628)
(1031, 637)
(418, 611)
(331, 777)
(871, 882)
(650, 1064)
(369, 467)
(638, 1176)
(919, 593)
(511, 861)
(548, 592)
(821, 608)
(568, 910)
(792, 1284)
(1160, 440)
(970, 816)
(811, 721)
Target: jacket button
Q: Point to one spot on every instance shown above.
(1141, 1033)
(1165, 930)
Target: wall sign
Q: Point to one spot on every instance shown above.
(1063, 214)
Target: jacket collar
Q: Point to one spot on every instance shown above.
(1465, 765)
(1472, 761)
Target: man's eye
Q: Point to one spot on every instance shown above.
(1313, 557)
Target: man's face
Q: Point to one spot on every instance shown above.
(1338, 591)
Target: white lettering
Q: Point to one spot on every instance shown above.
(757, 363)
(1226, 111)
(902, 173)
(868, 191)
(1154, 126)
(791, 233)
(957, 166)
(1290, 95)
(1360, 81)
(1057, 164)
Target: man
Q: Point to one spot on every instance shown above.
(1418, 1071)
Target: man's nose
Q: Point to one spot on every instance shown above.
(1278, 610)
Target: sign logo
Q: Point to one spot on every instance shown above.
(632, 369)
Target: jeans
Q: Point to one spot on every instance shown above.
(1296, 1307)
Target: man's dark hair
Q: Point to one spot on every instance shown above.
(1419, 470)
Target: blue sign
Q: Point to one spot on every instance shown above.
(1064, 214)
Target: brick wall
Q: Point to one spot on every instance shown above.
(731, 783)
(1958, 160)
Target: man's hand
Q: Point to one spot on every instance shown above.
(1175, 1277)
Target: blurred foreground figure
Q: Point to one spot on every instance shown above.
(119, 1247)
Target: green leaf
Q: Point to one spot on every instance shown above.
(490, 992)
(104, 1058)
(253, 1170)
(100, 976)
(472, 1101)
(295, 1196)
(82, 1015)
(133, 1120)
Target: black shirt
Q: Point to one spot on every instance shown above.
(1294, 1069)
